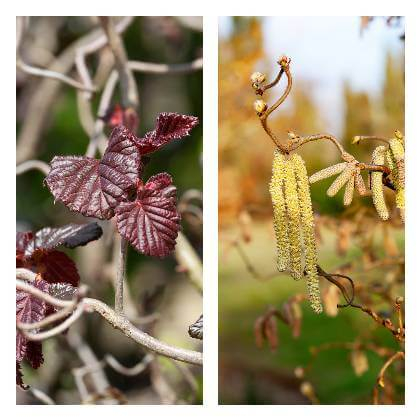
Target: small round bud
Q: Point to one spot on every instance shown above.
(299, 372)
(306, 389)
(257, 78)
(356, 140)
(398, 135)
(399, 300)
(260, 106)
(284, 61)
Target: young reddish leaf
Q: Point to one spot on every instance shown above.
(55, 267)
(29, 309)
(169, 126)
(22, 240)
(62, 291)
(92, 187)
(120, 166)
(70, 236)
(34, 354)
(116, 115)
(19, 377)
(151, 222)
(75, 181)
(196, 330)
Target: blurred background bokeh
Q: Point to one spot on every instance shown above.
(348, 79)
(156, 285)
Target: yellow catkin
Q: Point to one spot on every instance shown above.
(293, 214)
(341, 180)
(308, 232)
(360, 183)
(276, 188)
(348, 192)
(327, 172)
(378, 158)
(397, 150)
(398, 175)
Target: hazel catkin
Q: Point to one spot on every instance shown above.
(348, 192)
(293, 215)
(308, 232)
(378, 158)
(341, 180)
(327, 172)
(294, 223)
(276, 188)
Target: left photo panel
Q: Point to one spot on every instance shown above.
(109, 213)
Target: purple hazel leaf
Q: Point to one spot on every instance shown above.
(120, 166)
(169, 126)
(151, 222)
(74, 180)
(29, 309)
(71, 236)
(63, 291)
(55, 267)
(92, 187)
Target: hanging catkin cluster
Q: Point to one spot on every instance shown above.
(395, 159)
(348, 175)
(294, 222)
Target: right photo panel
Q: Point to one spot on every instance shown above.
(311, 210)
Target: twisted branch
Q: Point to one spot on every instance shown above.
(118, 321)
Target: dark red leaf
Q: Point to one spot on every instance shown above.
(70, 236)
(62, 291)
(92, 187)
(19, 377)
(29, 309)
(34, 354)
(75, 181)
(120, 166)
(22, 240)
(169, 126)
(116, 115)
(151, 222)
(55, 267)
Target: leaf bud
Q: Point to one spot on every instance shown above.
(260, 106)
(257, 78)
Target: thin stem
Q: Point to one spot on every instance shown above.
(129, 330)
(25, 287)
(94, 45)
(157, 68)
(118, 321)
(129, 92)
(188, 258)
(374, 168)
(128, 371)
(32, 164)
(49, 74)
(264, 116)
(388, 363)
(41, 396)
(300, 141)
(285, 93)
(119, 282)
(57, 316)
(56, 330)
(274, 82)
(357, 139)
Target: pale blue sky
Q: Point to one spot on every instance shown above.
(327, 51)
